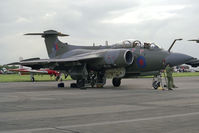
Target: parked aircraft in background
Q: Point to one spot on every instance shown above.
(32, 72)
(91, 65)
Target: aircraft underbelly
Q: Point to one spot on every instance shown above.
(115, 73)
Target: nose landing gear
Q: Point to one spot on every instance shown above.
(157, 82)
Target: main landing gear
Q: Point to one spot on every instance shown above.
(80, 83)
(93, 80)
(116, 82)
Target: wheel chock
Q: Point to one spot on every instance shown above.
(160, 88)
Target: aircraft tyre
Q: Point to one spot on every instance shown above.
(116, 82)
(156, 84)
(60, 85)
(81, 84)
(73, 85)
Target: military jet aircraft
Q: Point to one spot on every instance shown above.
(28, 71)
(32, 72)
(91, 65)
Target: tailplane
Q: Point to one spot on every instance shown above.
(54, 47)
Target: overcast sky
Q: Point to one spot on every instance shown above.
(88, 21)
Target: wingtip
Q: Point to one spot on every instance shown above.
(34, 34)
(48, 32)
(14, 63)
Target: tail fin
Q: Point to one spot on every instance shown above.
(54, 47)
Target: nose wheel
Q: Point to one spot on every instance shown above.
(81, 84)
(156, 84)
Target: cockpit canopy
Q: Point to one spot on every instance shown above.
(132, 43)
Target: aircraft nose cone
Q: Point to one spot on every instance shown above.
(176, 59)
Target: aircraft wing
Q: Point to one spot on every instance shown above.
(48, 63)
(29, 71)
(194, 62)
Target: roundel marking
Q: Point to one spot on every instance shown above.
(141, 62)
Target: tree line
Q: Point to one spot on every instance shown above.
(9, 67)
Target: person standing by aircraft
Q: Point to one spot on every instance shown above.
(169, 72)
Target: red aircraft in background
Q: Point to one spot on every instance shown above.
(32, 72)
